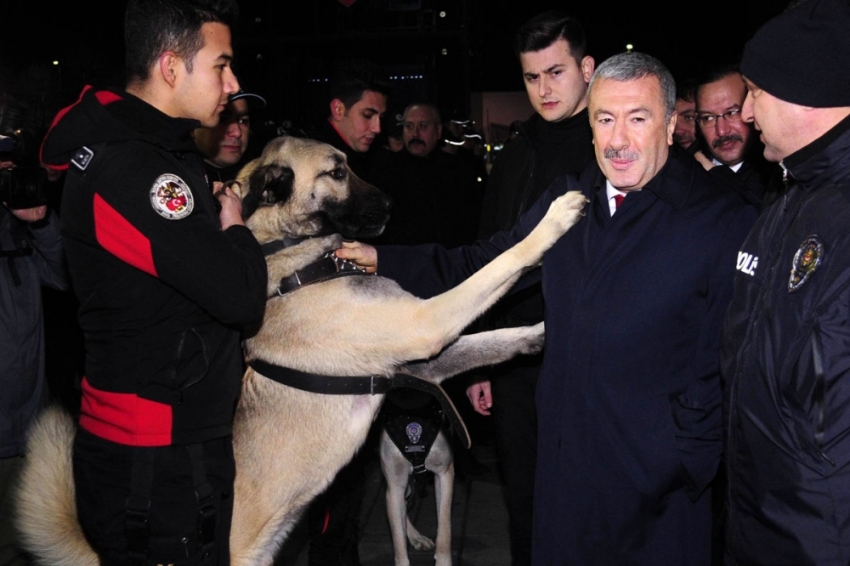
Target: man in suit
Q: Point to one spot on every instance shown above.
(629, 400)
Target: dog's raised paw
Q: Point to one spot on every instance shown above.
(567, 209)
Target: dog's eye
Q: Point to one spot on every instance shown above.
(338, 173)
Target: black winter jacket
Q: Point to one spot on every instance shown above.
(523, 170)
(163, 291)
(786, 366)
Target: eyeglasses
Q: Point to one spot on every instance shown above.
(706, 120)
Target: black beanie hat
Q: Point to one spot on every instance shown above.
(802, 56)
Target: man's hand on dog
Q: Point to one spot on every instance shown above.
(231, 206)
(362, 255)
(480, 396)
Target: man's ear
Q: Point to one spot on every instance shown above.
(337, 109)
(168, 67)
(671, 127)
(587, 67)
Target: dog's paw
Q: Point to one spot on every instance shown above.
(531, 339)
(566, 210)
(420, 541)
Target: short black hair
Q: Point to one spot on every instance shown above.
(716, 73)
(544, 29)
(351, 78)
(152, 27)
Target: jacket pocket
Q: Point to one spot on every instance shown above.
(191, 360)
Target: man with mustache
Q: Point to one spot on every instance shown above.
(629, 397)
(421, 129)
(731, 152)
(785, 355)
(436, 195)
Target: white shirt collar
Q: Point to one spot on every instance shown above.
(611, 192)
(732, 167)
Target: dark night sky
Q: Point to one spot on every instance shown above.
(297, 39)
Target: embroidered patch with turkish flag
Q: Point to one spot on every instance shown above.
(171, 197)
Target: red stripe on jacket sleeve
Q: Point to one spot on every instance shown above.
(120, 238)
(125, 418)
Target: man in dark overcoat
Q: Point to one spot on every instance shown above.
(629, 396)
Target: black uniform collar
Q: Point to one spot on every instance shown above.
(825, 159)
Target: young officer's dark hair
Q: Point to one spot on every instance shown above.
(152, 27)
(543, 30)
(350, 79)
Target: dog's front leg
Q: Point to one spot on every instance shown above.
(471, 351)
(287, 261)
(467, 301)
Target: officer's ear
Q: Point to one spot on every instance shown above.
(168, 66)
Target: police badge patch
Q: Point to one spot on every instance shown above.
(414, 432)
(171, 197)
(806, 260)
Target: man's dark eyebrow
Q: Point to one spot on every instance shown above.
(553, 68)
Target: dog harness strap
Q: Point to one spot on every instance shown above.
(327, 385)
(362, 385)
(413, 431)
(136, 525)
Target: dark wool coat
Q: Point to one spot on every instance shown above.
(629, 398)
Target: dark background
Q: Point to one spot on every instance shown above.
(285, 48)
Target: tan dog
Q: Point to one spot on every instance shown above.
(289, 443)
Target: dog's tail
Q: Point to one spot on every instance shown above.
(46, 511)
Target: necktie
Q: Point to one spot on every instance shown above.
(618, 200)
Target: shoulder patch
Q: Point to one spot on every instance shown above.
(82, 158)
(171, 197)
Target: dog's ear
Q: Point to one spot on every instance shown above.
(269, 185)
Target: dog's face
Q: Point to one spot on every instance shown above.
(301, 188)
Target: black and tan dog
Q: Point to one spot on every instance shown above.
(289, 441)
